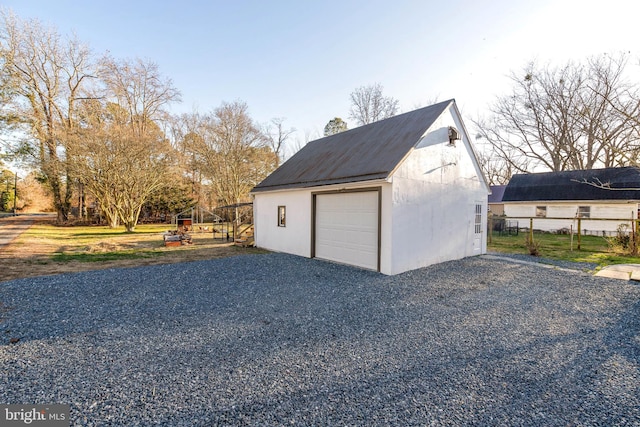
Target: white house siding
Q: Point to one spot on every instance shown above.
(435, 191)
(605, 216)
(295, 237)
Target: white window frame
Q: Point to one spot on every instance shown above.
(584, 212)
(478, 219)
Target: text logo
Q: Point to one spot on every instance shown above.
(34, 415)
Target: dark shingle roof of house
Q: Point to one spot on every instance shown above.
(573, 185)
(497, 191)
(360, 154)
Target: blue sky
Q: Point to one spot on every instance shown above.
(301, 59)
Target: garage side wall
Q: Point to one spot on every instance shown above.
(435, 195)
(295, 236)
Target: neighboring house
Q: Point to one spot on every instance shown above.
(390, 196)
(556, 199)
(496, 207)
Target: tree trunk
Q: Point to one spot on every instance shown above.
(61, 206)
(130, 218)
(111, 216)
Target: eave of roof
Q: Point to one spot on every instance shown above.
(575, 185)
(497, 192)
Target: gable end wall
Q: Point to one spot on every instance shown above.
(434, 193)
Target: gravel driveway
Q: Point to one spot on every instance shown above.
(280, 340)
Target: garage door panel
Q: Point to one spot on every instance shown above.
(347, 228)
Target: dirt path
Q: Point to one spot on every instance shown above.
(13, 226)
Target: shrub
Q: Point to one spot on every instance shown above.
(532, 246)
(621, 242)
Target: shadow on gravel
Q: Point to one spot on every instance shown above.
(276, 339)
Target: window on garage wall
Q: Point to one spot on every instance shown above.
(282, 216)
(541, 211)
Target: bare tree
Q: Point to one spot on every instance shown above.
(138, 87)
(119, 167)
(300, 141)
(34, 197)
(232, 152)
(495, 168)
(48, 75)
(624, 101)
(187, 132)
(277, 136)
(368, 105)
(573, 117)
(335, 125)
(120, 154)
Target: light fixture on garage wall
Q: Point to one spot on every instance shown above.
(454, 135)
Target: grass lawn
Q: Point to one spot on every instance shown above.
(48, 249)
(593, 249)
(95, 243)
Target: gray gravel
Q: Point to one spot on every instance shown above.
(280, 340)
(571, 265)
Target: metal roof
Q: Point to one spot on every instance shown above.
(574, 185)
(365, 153)
(497, 191)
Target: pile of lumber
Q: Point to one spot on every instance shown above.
(176, 238)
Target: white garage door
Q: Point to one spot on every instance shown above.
(347, 228)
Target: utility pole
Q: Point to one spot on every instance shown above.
(15, 193)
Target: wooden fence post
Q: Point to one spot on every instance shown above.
(637, 224)
(571, 233)
(490, 217)
(579, 231)
(634, 236)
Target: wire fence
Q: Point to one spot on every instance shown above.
(621, 228)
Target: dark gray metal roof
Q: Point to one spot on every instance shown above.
(570, 185)
(361, 154)
(497, 191)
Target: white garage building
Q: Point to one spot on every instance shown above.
(391, 196)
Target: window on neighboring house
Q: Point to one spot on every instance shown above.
(478, 222)
(584, 211)
(282, 213)
(541, 211)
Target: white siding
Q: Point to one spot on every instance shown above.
(295, 237)
(559, 211)
(435, 191)
(524, 211)
(617, 212)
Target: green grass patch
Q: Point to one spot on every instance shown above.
(92, 234)
(94, 230)
(103, 256)
(593, 249)
(98, 232)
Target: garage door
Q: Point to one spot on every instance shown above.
(346, 228)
